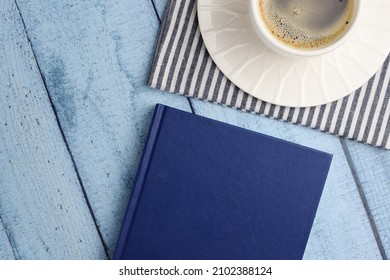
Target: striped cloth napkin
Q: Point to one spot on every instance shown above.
(182, 65)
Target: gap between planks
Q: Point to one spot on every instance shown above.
(11, 243)
(363, 198)
(107, 252)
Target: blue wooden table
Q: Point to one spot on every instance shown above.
(75, 110)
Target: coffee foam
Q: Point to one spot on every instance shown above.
(293, 23)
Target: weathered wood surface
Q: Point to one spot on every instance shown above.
(42, 208)
(6, 251)
(94, 57)
(371, 168)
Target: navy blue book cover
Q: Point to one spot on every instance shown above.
(209, 190)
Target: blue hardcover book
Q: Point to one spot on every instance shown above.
(209, 190)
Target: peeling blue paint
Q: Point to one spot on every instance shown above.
(60, 91)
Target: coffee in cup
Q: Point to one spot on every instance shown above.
(307, 26)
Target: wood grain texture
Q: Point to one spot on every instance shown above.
(160, 6)
(95, 57)
(6, 252)
(42, 207)
(341, 229)
(372, 171)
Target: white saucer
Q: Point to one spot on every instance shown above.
(238, 52)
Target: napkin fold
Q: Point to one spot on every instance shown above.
(182, 65)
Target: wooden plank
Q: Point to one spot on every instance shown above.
(95, 57)
(341, 229)
(372, 166)
(160, 6)
(6, 252)
(42, 207)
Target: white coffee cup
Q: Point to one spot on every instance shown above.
(279, 47)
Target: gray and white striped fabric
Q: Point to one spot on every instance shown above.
(182, 65)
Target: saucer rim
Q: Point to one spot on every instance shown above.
(321, 100)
